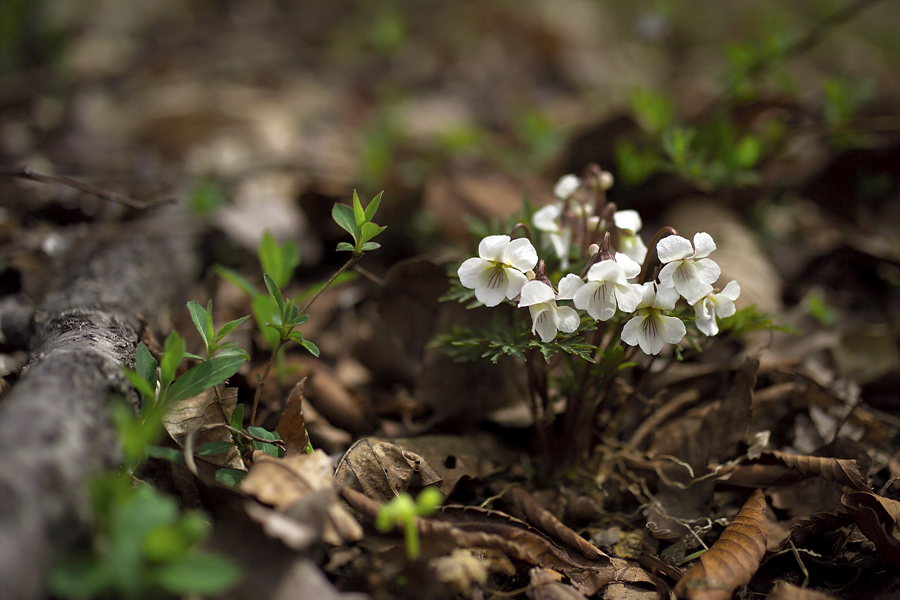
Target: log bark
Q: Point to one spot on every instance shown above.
(55, 430)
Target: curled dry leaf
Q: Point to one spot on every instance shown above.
(879, 520)
(786, 591)
(733, 559)
(545, 584)
(285, 482)
(549, 524)
(292, 426)
(198, 417)
(780, 468)
(620, 571)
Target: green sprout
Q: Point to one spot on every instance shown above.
(403, 510)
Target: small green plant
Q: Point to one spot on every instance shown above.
(402, 511)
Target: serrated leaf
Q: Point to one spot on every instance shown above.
(343, 216)
(230, 326)
(145, 365)
(373, 206)
(213, 448)
(359, 215)
(232, 477)
(241, 282)
(368, 231)
(274, 292)
(199, 316)
(345, 247)
(204, 376)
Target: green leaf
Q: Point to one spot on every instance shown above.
(233, 351)
(368, 231)
(263, 433)
(229, 327)
(214, 448)
(274, 292)
(199, 573)
(237, 279)
(359, 215)
(270, 257)
(368, 246)
(343, 216)
(171, 359)
(169, 454)
(141, 385)
(204, 376)
(290, 260)
(146, 365)
(232, 477)
(345, 247)
(199, 317)
(192, 356)
(79, 579)
(237, 416)
(373, 206)
(313, 349)
(264, 310)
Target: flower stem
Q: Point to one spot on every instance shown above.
(346, 266)
(262, 382)
(659, 235)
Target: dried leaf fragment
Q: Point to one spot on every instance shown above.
(781, 468)
(292, 426)
(733, 559)
(879, 520)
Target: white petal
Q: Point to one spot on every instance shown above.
(724, 307)
(470, 270)
(631, 329)
(706, 317)
(732, 290)
(671, 329)
(492, 247)
(606, 270)
(583, 296)
(648, 295)
(543, 322)
(672, 248)
(707, 270)
(628, 219)
(490, 289)
(630, 267)
(521, 254)
(628, 296)
(561, 243)
(690, 287)
(568, 285)
(536, 292)
(516, 280)
(633, 247)
(703, 244)
(545, 218)
(666, 297)
(601, 304)
(567, 319)
(566, 186)
(667, 273)
(648, 335)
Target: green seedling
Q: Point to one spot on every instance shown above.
(403, 511)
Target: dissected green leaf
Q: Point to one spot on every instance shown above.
(204, 376)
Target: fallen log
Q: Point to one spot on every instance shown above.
(55, 430)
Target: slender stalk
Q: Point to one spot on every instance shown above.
(346, 266)
(650, 251)
(262, 382)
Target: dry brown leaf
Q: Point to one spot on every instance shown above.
(817, 525)
(733, 559)
(786, 591)
(292, 426)
(285, 482)
(382, 470)
(620, 571)
(780, 468)
(549, 524)
(545, 585)
(879, 520)
(198, 417)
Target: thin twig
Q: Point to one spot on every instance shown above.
(346, 266)
(262, 380)
(26, 172)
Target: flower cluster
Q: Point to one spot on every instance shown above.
(612, 281)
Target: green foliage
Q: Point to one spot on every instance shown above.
(143, 548)
(402, 512)
(747, 320)
(357, 221)
(270, 449)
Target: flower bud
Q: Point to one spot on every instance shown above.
(593, 222)
(529, 274)
(606, 180)
(593, 249)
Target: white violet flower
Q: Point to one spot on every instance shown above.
(714, 306)
(548, 319)
(499, 270)
(547, 220)
(608, 287)
(629, 223)
(649, 328)
(686, 267)
(566, 186)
